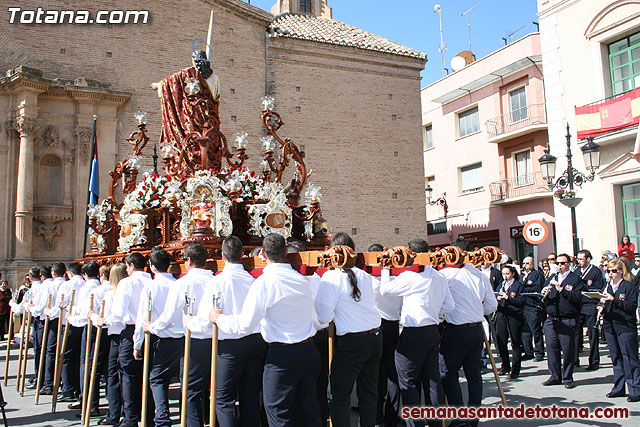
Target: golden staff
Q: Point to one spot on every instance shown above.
(22, 329)
(495, 369)
(214, 366)
(58, 333)
(94, 369)
(6, 363)
(185, 367)
(58, 373)
(332, 346)
(26, 351)
(145, 367)
(87, 351)
(43, 350)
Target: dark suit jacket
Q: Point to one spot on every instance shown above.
(495, 279)
(593, 282)
(620, 314)
(568, 301)
(512, 305)
(532, 283)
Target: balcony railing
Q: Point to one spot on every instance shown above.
(523, 185)
(530, 115)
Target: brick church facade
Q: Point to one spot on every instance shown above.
(350, 98)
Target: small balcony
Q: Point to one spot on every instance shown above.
(518, 122)
(519, 188)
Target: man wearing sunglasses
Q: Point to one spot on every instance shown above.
(563, 298)
(592, 280)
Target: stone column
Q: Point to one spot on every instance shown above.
(27, 128)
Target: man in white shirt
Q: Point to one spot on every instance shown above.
(36, 287)
(37, 308)
(462, 332)
(124, 314)
(71, 362)
(167, 347)
(240, 356)
(281, 302)
(58, 271)
(189, 287)
(425, 299)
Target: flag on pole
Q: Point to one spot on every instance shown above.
(94, 173)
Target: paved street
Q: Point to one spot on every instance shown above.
(590, 392)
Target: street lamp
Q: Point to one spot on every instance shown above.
(442, 201)
(571, 177)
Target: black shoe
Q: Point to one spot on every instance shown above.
(527, 357)
(570, 385)
(633, 399)
(613, 395)
(66, 398)
(504, 371)
(94, 413)
(551, 382)
(76, 405)
(592, 367)
(539, 358)
(483, 370)
(105, 422)
(46, 391)
(514, 375)
(30, 386)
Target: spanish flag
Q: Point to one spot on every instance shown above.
(617, 113)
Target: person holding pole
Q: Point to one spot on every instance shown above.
(240, 356)
(58, 270)
(281, 301)
(167, 346)
(124, 314)
(189, 289)
(36, 308)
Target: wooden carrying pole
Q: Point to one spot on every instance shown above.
(332, 346)
(58, 374)
(495, 370)
(43, 351)
(94, 371)
(185, 369)
(58, 334)
(87, 352)
(6, 363)
(26, 353)
(214, 368)
(145, 368)
(22, 335)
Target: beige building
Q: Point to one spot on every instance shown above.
(589, 54)
(488, 120)
(349, 98)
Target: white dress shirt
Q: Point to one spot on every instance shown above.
(58, 287)
(78, 316)
(423, 296)
(107, 319)
(66, 289)
(281, 301)
(158, 290)
(232, 285)
(191, 285)
(98, 296)
(388, 306)
(41, 298)
(334, 302)
(127, 300)
(472, 294)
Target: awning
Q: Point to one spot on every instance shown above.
(540, 216)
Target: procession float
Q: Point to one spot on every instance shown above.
(204, 192)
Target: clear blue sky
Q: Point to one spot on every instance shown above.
(414, 24)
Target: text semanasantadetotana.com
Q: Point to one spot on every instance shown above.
(519, 412)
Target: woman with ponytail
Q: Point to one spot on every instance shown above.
(345, 296)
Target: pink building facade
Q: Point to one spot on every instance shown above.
(484, 128)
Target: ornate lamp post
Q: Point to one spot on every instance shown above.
(442, 201)
(571, 177)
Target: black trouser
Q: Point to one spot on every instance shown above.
(388, 389)
(461, 347)
(114, 393)
(50, 356)
(199, 380)
(38, 328)
(167, 354)
(356, 359)
(321, 340)
(560, 334)
(71, 363)
(509, 326)
(416, 360)
(623, 350)
(240, 363)
(83, 347)
(131, 378)
(101, 364)
(532, 330)
(588, 319)
(289, 379)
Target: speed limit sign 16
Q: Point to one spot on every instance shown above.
(535, 232)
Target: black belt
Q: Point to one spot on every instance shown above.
(292, 343)
(464, 325)
(374, 331)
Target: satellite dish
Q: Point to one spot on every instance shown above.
(458, 63)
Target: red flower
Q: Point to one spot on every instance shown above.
(140, 193)
(155, 175)
(153, 188)
(168, 177)
(155, 196)
(253, 173)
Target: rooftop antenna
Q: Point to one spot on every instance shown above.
(466, 12)
(510, 36)
(437, 9)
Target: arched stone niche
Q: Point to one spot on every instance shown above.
(50, 181)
